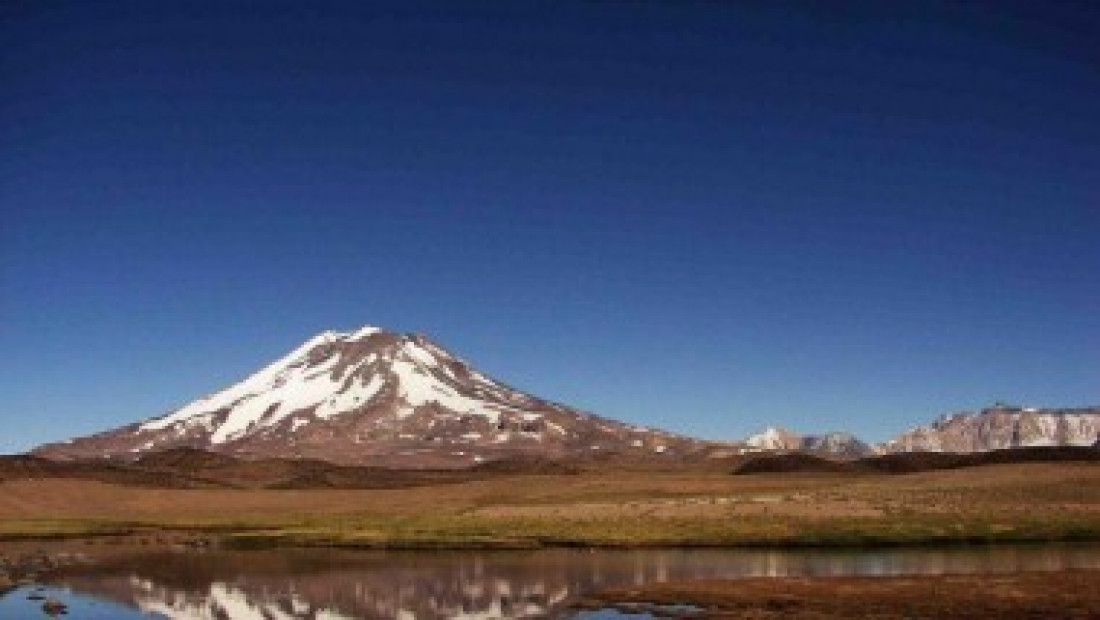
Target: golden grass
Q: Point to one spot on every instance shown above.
(994, 503)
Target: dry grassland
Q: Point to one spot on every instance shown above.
(1000, 502)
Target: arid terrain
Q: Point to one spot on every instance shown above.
(537, 504)
(101, 513)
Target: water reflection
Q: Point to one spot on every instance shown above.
(337, 585)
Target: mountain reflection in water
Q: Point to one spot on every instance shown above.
(335, 584)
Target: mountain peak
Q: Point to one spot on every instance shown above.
(781, 439)
(374, 396)
(774, 438)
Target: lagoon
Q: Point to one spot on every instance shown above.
(333, 584)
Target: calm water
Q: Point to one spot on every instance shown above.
(336, 585)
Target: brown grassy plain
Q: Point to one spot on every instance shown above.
(1038, 501)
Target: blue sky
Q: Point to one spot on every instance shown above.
(704, 217)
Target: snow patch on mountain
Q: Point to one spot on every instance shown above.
(773, 438)
(288, 385)
(419, 389)
(270, 377)
(299, 382)
(778, 439)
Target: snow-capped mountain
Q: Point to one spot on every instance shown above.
(1000, 427)
(372, 396)
(837, 444)
(773, 438)
(779, 439)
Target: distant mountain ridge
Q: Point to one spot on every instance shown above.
(1000, 427)
(836, 444)
(912, 462)
(380, 398)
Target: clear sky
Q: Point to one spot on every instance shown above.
(708, 217)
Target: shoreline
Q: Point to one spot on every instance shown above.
(1038, 588)
(487, 535)
(244, 540)
(1063, 594)
(247, 540)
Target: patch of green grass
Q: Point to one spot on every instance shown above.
(500, 532)
(32, 529)
(940, 509)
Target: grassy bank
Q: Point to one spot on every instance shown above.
(50, 529)
(526, 533)
(1065, 594)
(684, 532)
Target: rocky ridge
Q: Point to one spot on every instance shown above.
(835, 444)
(1000, 427)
